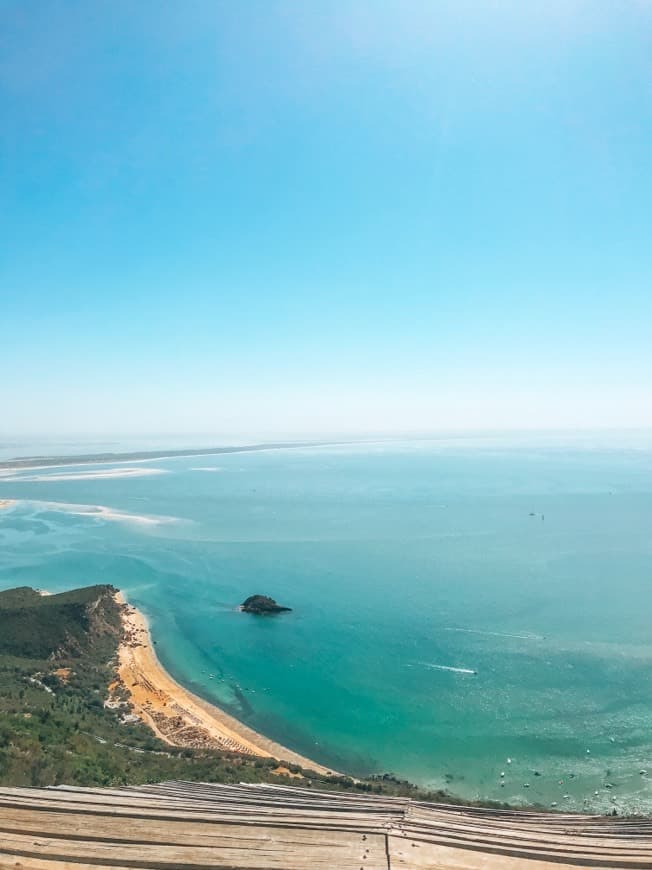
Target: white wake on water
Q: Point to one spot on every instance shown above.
(497, 633)
(448, 668)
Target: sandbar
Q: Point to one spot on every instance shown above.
(106, 474)
(176, 715)
(106, 513)
(95, 511)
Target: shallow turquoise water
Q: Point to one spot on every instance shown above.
(531, 565)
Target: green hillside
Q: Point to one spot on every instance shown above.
(68, 625)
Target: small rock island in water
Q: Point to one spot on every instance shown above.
(262, 604)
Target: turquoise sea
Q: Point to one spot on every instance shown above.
(456, 602)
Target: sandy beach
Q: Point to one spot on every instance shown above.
(6, 503)
(176, 715)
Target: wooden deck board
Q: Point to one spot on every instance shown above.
(279, 851)
(196, 826)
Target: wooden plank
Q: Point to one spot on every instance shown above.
(407, 852)
(410, 855)
(129, 829)
(279, 852)
(179, 825)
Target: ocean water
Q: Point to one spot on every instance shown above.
(456, 603)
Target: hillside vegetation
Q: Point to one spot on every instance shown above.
(57, 659)
(61, 627)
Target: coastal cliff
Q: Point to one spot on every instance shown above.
(63, 627)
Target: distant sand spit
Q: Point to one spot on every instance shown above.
(96, 511)
(81, 475)
(7, 503)
(176, 715)
(68, 461)
(105, 513)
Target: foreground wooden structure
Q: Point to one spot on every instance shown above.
(198, 826)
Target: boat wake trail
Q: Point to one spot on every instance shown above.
(498, 633)
(448, 668)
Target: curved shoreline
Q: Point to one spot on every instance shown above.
(175, 714)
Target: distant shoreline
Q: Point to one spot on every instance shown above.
(18, 463)
(176, 715)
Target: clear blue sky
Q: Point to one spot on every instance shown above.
(289, 217)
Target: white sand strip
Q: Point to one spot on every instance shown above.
(84, 475)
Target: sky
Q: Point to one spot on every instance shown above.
(275, 217)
